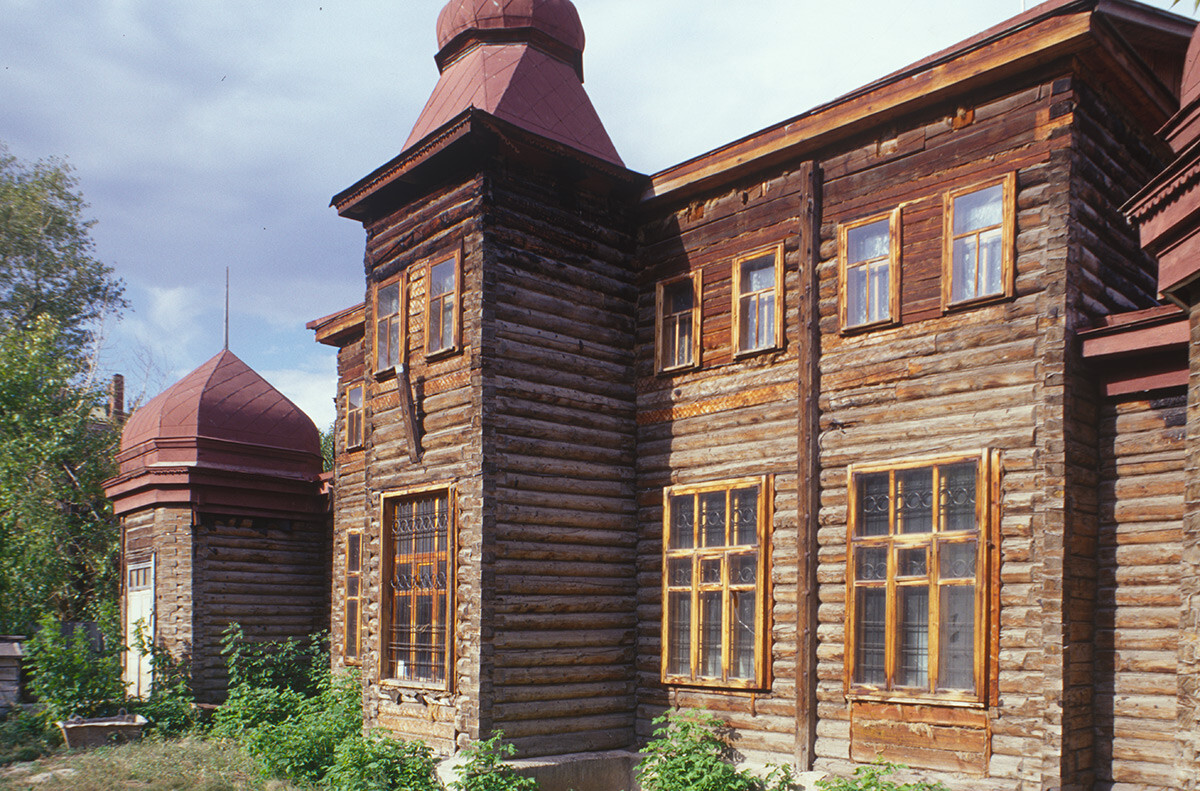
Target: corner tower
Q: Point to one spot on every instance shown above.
(491, 487)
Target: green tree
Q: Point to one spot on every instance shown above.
(47, 267)
(57, 538)
(327, 448)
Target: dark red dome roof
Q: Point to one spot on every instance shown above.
(1191, 72)
(223, 399)
(556, 18)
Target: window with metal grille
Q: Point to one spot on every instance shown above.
(916, 570)
(419, 585)
(715, 583)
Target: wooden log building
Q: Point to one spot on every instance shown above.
(223, 520)
(869, 432)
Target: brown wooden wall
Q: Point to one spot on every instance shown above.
(952, 383)
(350, 500)
(1143, 452)
(447, 401)
(558, 426)
(269, 576)
(729, 418)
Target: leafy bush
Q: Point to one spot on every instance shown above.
(283, 664)
(25, 737)
(170, 708)
(688, 754)
(874, 777)
(302, 746)
(377, 763)
(71, 677)
(485, 770)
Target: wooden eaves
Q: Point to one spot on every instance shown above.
(1139, 351)
(1044, 34)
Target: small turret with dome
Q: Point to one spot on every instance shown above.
(521, 61)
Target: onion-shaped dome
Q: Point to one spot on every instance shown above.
(558, 19)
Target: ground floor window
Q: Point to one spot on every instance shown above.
(715, 539)
(353, 614)
(917, 570)
(418, 533)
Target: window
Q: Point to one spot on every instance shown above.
(677, 341)
(389, 326)
(418, 535)
(441, 297)
(714, 583)
(354, 416)
(353, 641)
(870, 276)
(757, 286)
(979, 242)
(917, 577)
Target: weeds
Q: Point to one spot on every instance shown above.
(876, 777)
(688, 754)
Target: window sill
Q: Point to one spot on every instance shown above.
(746, 353)
(975, 302)
(716, 685)
(859, 329)
(677, 369)
(441, 353)
(901, 698)
(384, 374)
(422, 686)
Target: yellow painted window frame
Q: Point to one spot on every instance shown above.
(1008, 242)
(739, 297)
(396, 324)
(762, 622)
(661, 319)
(355, 427)
(893, 266)
(352, 650)
(986, 581)
(387, 503)
(454, 298)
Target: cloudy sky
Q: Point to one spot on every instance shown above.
(212, 134)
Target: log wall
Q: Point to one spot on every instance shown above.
(1143, 451)
(350, 500)
(731, 417)
(558, 439)
(446, 397)
(269, 576)
(953, 383)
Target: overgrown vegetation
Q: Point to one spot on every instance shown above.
(301, 722)
(688, 753)
(26, 737)
(484, 769)
(70, 676)
(876, 777)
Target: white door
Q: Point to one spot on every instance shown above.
(139, 610)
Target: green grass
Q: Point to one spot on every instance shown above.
(187, 764)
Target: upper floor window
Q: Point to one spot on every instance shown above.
(870, 276)
(715, 583)
(389, 325)
(677, 307)
(917, 571)
(418, 537)
(442, 315)
(757, 291)
(979, 242)
(354, 416)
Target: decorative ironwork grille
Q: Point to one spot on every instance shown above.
(419, 531)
